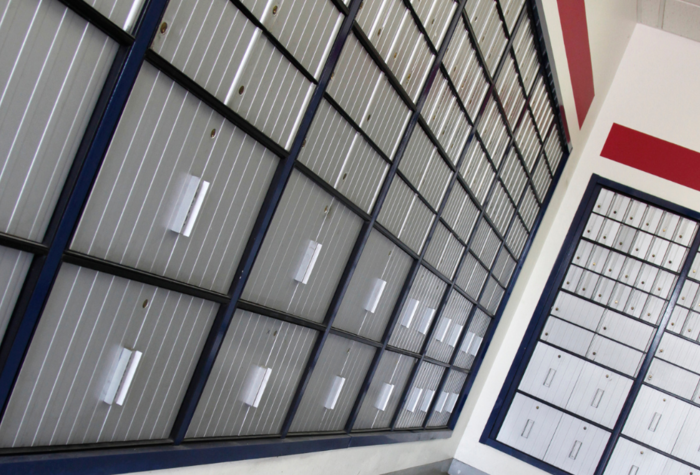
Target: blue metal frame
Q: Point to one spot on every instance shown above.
(48, 256)
(541, 314)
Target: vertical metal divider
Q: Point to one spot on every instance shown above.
(273, 196)
(651, 352)
(103, 122)
(359, 247)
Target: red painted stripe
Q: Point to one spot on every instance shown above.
(572, 14)
(652, 155)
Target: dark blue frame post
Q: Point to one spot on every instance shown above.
(262, 223)
(113, 98)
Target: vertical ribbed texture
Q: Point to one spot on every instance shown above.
(485, 243)
(405, 215)
(513, 176)
(390, 27)
(428, 290)
(122, 12)
(529, 209)
(254, 79)
(509, 91)
(517, 237)
(511, 9)
(541, 108)
(553, 149)
(444, 251)
(477, 171)
(453, 386)
(306, 29)
(393, 369)
(359, 86)
(89, 317)
(380, 260)
(252, 340)
(472, 276)
(493, 132)
(528, 143)
(427, 379)
(336, 152)
(526, 54)
(13, 269)
(491, 298)
(52, 67)
(167, 135)
(423, 166)
(541, 178)
(460, 212)
(457, 311)
(500, 209)
(339, 357)
(445, 118)
(503, 268)
(478, 326)
(306, 213)
(488, 29)
(435, 16)
(462, 65)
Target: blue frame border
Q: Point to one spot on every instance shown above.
(540, 315)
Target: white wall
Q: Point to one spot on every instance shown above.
(655, 91)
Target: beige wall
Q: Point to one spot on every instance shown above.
(655, 91)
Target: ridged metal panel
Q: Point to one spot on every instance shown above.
(453, 387)
(393, 369)
(307, 29)
(445, 118)
(541, 108)
(493, 132)
(339, 358)
(526, 54)
(359, 86)
(389, 26)
(89, 317)
(305, 213)
(488, 30)
(428, 290)
(460, 212)
(339, 154)
(509, 91)
(485, 243)
(165, 136)
(500, 209)
(491, 298)
(528, 143)
(529, 209)
(477, 171)
(427, 379)
(462, 65)
(381, 259)
(503, 269)
(511, 9)
(52, 68)
(255, 80)
(435, 16)
(472, 276)
(252, 340)
(513, 175)
(13, 269)
(405, 215)
(423, 166)
(457, 311)
(444, 251)
(541, 179)
(122, 12)
(517, 237)
(478, 326)
(552, 147)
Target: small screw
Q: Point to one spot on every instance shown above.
(241, 89)
(145, 303)
(213, 133)
(274, 10)
(163, 28)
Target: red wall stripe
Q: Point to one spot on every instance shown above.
(572, 14)
(652, 155)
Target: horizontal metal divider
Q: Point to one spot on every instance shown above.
(564, 411)
(101, 22)
(21, 244)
